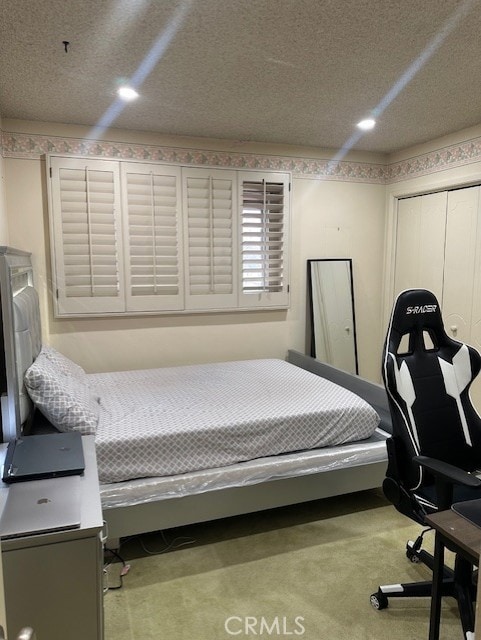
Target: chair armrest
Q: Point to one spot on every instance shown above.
(448, 472)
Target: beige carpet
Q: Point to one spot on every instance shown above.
(305, 571)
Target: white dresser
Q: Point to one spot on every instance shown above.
(53, 581)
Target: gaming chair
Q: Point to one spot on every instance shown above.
(436, 441)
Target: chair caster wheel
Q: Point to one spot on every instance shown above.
(379, 601)
(412, 555)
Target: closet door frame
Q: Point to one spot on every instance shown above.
(437, 181)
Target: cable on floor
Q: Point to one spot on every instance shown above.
(125, 569)
(176, 543)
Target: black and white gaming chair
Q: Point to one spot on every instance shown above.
(436, 441)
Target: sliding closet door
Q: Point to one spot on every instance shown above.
(459, 262)
(438, 247)
(420, 243)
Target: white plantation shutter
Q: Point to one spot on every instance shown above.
(86, 236)
(152, 236)
(210, 256)
(132, 237)
(264, 230)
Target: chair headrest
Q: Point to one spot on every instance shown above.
(416, 310)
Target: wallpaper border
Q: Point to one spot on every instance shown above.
(448, 157)
(34, 146)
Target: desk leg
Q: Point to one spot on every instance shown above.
(477, 626)
(436, 595)
(464, 593)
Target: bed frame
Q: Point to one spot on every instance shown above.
(21, 343)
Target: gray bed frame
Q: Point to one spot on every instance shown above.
(20, 350)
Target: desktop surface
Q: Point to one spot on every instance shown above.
(458, 530)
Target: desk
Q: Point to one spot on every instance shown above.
(464, 538)
(53, 581)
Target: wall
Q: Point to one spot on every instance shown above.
(3, 198)
(338, 220)
(451, 161)
(349, 211)
(336, 212)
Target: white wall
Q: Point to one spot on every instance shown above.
(346, 215)
(330, 218)
(3, 198)
(342, 220)
(451, 161)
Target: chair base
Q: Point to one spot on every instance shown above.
(459, 583)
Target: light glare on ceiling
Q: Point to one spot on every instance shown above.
(127, 93)
(367, 124)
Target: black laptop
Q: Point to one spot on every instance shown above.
(44, 456)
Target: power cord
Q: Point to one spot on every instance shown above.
(176, 543)
(124, 571)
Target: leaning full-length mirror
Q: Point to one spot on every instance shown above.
(331, 299)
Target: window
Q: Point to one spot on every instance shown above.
(133, 237)
(264, 230)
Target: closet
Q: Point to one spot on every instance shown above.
(438, 247)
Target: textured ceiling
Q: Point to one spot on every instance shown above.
(299, 72)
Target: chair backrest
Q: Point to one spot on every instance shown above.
(427, 376)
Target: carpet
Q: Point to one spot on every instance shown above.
(304, 571)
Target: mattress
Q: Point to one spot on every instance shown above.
(177, 420)
(372, 450)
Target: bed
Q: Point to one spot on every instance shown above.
(179, 445)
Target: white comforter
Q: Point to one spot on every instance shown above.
(178, 419)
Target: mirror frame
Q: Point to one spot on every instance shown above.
(311, 332)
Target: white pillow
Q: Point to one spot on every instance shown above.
(64, 400)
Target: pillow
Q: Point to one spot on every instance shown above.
(64, 365)
(64, 400)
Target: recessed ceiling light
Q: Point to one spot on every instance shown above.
(127, 93)
(366, 125)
